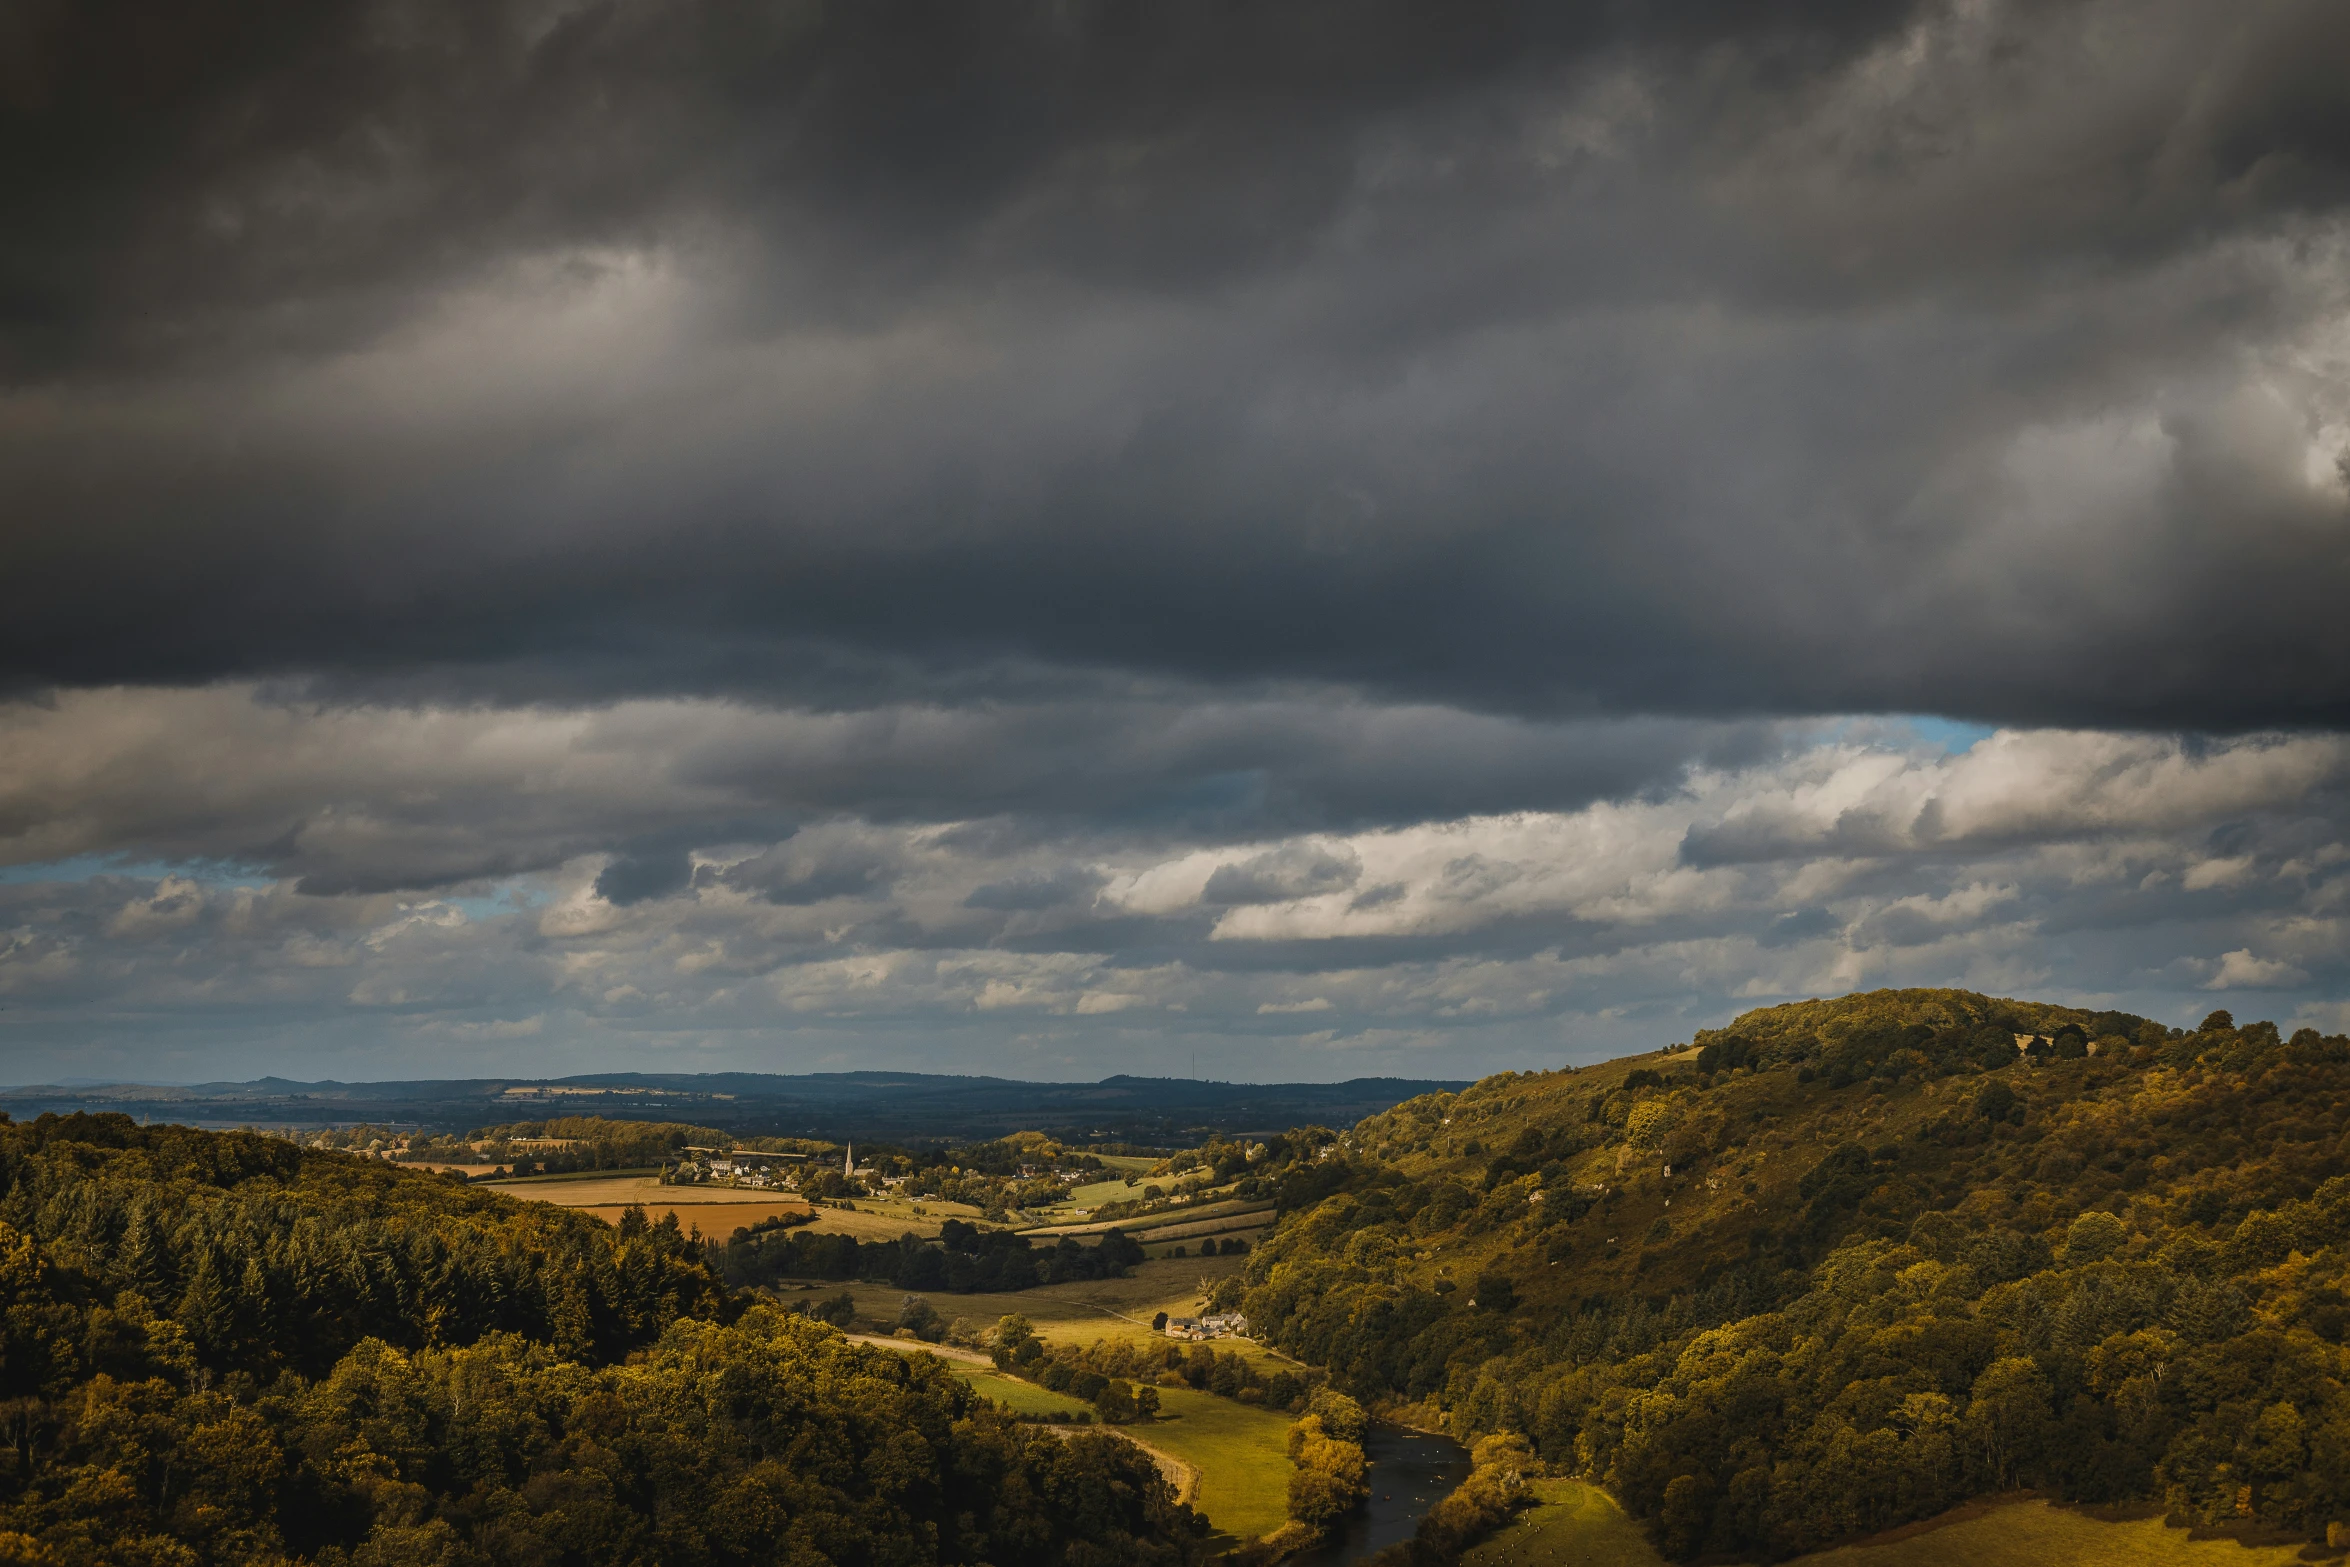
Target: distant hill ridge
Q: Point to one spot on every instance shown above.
(1843, 1263)
(862, 1105)
(706, 1082)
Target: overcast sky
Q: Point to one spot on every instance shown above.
(1305, 540)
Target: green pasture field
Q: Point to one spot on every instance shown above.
(2032, 1533)
(1021, 1398)
(1578, 1524)
(1570, 1522)
(1127, 1164)
(1240, 1451)
(1101, 1192)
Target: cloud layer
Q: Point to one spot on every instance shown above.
(1969, 359)
(900, 527)
(2137, 870)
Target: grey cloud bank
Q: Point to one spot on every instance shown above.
(963, 535)
(2115, 868)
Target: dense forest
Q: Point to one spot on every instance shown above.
(964, 1259)
(1843, 1264)
(225, 1349)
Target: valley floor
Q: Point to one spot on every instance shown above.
(1119, 1310)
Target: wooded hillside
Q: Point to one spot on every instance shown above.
(223, 1349)
(1845, 1263)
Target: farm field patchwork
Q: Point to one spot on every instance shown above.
(718, 1211)
(714, 1210)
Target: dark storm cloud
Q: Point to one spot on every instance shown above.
(636, 877)
(370, 799)
(1547, 360)
(952, 535)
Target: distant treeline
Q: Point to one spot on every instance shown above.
(965, 1259)
(599, 1143)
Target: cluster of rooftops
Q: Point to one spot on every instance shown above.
(1229, 1324)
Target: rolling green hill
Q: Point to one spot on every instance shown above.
(1844, 1264)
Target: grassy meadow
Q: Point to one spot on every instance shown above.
(1114, 1190)
(1021, 1398)
(2029, 1533)
(1579, 1525)
(1571, 1522)
(1241, 1453)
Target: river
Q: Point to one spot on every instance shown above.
(1410, 1473)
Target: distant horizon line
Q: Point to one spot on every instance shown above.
(626, 1081)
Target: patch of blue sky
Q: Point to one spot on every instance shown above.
(1954, 736)
(510, 898)
(1905, 732)
(89, 867)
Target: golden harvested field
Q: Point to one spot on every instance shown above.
(600, 1191)
(714, 1210)
(872, 1222)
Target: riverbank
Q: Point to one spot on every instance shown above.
(1410, 1472)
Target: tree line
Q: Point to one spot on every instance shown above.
(965, 1259)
